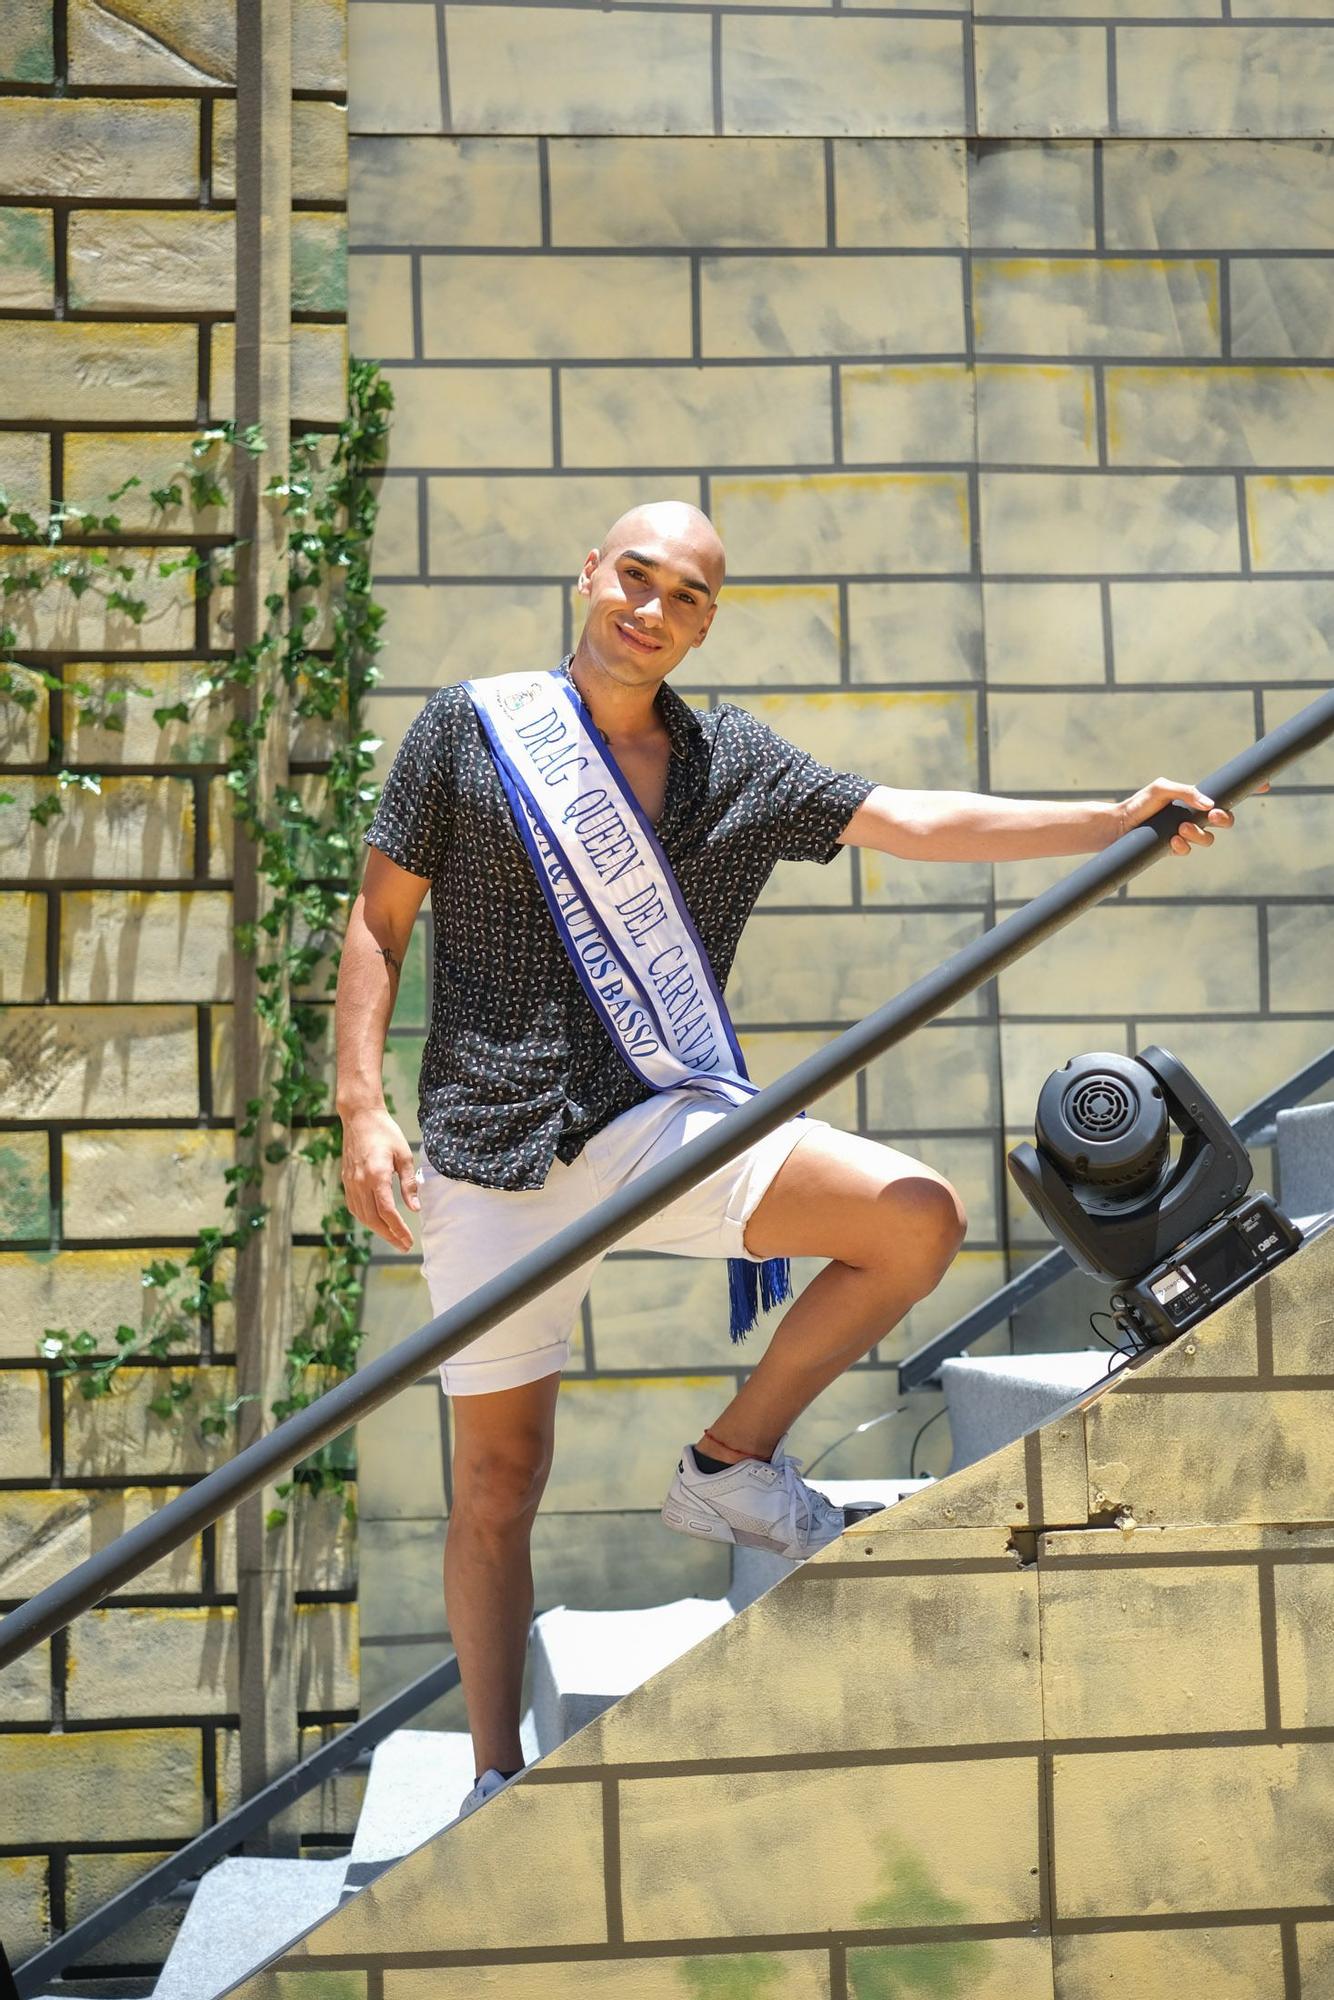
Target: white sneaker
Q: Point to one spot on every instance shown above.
(486, 1788)
(760, 1503)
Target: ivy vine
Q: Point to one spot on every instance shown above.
(315, 660)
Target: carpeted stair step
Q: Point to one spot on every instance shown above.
(243, 1911)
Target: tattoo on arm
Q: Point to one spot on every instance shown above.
(390, 960)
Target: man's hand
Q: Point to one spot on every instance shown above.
(1165, 792)
(374, 1151)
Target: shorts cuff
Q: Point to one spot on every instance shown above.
(763, 1163)
(511, 1371)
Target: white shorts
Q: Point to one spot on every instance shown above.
(470, 1233)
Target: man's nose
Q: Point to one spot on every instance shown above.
(650, 610)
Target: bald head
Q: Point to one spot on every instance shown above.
(675, 526)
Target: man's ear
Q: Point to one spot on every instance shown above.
(704, 630)
(591, 561)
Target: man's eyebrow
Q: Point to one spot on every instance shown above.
(691, 582)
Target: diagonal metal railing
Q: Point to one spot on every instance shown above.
(1254, 1127)
(274, 1454)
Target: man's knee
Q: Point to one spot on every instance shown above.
(927, 1222)
(501, 1482)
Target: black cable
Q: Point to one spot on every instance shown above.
(912, 1455)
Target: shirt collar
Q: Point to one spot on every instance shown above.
(682, 721)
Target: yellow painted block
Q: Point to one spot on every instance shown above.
(27, 259)
(98, 463)
(896, 415)
(1045, 80)
(1220, 416)
(1043, 632)
(1108, 739)
(880, 1873)
(100, 146)
(193, 1651)
(993, 1493)
(842, 76)
(994, 1969)
(1315, 1953)
(536, 307)
(1218, 81)
(613, 1561)
(1304, 1600)
(1144, 1455)
(22, 948)
(1252, 630)
(1228, 1962)
(659, 1312)
(901, 193)
(686, 416)
(396, 546)
(766, 634)
(1289, 519)
(861, 305)
(704, 193)
(112, 1784)
(770, 1056)
(25, 1687)
(1141, 959)
(536, 69)
(25, 458)
(151, 41)
(25, 1908)
(1106, 523)
(1039, 414)
(1160, 194)
(53, 619)
(93, 1879)
(1121, 1648)
(1276, 839)
(850, 522)
(497, 1890)
(130, 691)
(24, 1424)
(394, 1302)
(1281, 306)
(945, 1075)
(379, 308)
(118, 1435)
(1299, 1292)
(29, 56)
(319, 149)
(444, 191)
(1316, 767)
(43, 1535)
(25, 1206)
(618, 1439)
(73, 1062)
(919, 631)
(832, 967)
(801, 1975)
(469, 417)
(394, 66)
(1246, 1826)
(547, 523)
(144, 1183)
(434, 634)
(956, 1661)
(400, 1449)
(163, 260)
(1095, 305)
(905, 739)
(117, 371)
(125, 944)
(1031, 197)
(324, 1638)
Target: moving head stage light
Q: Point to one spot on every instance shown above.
(1178, 1232)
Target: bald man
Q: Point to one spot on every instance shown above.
(530, 1114)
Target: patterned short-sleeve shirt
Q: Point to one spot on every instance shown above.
(518, 1070)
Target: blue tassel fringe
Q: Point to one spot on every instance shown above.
(750, 1286)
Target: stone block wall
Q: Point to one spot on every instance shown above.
(997, 344)
(118, 289)
(1057, 1728)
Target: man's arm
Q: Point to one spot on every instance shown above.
(970, 826)
(374, 1149)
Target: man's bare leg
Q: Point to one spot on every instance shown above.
(892, 1227)
(502, 1455)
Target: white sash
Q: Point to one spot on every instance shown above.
(616, 905)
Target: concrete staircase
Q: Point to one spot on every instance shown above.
(585, 1661)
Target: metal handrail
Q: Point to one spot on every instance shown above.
(273, 1455)
(1254, 1127)
(218, 1840)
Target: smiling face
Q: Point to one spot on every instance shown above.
(652, 591)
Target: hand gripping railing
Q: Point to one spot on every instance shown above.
(275, 1453)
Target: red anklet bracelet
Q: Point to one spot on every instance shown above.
(728, 1447)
